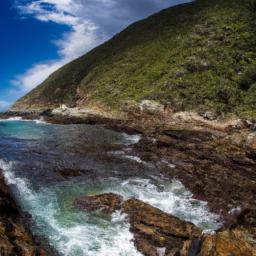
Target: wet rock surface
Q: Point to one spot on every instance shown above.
(157, 233)
(15, 239)
(107, 203)
(238, 240)
(215, 171)
(154, 229)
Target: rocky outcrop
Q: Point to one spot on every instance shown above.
(157, 233)
(213, 169)
(15, 239)
(154, 229)
(235, 242)
(238, 240)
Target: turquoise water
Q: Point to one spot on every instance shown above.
(33, 156)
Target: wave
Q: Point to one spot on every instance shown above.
(172, 198)
(18, 118)
(131, 139)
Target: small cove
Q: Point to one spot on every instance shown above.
(48, 166)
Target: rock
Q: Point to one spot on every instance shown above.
(251, 140)
(69, 173)
(145, 247)
(238, 240)
(156, 227)
(236, 139)
(15, 239)
(246, 218)
(151, 107)
(209, 115)
(107, 203)
(238, 124)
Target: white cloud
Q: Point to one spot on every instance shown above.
(90, 22)
(82, 37)
(35, 75)
(4, 105)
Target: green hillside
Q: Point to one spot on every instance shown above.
(198, 56)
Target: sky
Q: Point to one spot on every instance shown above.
(40, 36)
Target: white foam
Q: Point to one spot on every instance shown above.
(131, 139)
(172, 198)
(18, 118)
(123, 155)
(164, 161)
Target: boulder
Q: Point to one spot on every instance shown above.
(235, 242)
(151, 107)
(238, 240)
(159, 229)
(210, 115)
(251, 140)
(107, 203)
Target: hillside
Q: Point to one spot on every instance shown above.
(198, 56)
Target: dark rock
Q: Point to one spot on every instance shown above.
(66, 173)
(107, 203)
(144, 246)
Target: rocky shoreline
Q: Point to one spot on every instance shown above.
(15, 236)
(159, 234)
(214, 158)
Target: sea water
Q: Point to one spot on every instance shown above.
(32, 156)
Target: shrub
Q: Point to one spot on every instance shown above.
(248, 78)
(252, 5)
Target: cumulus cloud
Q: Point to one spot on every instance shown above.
(91, 22)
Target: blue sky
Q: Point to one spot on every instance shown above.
(39, 36)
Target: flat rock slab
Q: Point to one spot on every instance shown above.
(154, 229)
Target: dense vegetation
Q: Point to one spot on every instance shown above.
(199, 56)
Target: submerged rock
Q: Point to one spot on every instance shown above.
(107, 203)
